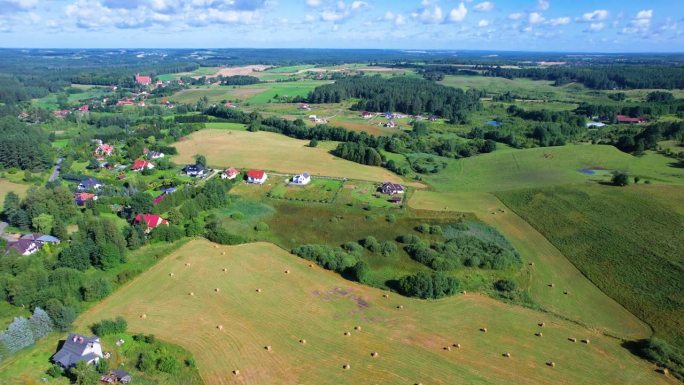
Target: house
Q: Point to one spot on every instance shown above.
(624, 119)
(82, 197)
(61, 113)
(125, 102)
(391, 188)
(143, 80)
(195, 170)
(151, 220)
(140, 165)
(104, 150)
(595, 124)
(155, 155)
(301, 179)
(78, 348)
(116, 376)
(256, 176)
(23, 246)
(169, 190)
(390, 124)
(89, 184)
(230, 173)
(41, 239)
(141, 103)
(229, 105)
(84, 108)
(433, 118)
(304, 107)
(366, 115)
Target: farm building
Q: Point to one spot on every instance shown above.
(82, 197)
(366, 115)
(624, 119)
(88, 184)
(143, 80)
(23, 247)
(78, 348)
(391, 188)
(195, 170)
(256, 176)
(301, 179)
(304, 107)
(103, 150)
(116, 377)
(230, 173)
(141, 164)
(151, 221)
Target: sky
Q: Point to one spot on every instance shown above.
(508, 25)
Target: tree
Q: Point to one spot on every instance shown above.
(428, 285)
(361, 272)
(620, 179)
(200, 160)
(18, 335)
(84, 374)
(12, 204)
(313, 142)
(40, 322)
(43, 223)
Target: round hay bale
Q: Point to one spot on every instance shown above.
(572, 339)
(538, 334)
(170, 274)
(346, 367)
(483, 330)
(357, 327)
(224, 269)
(507, 354)
(216, 246)
(586, 341)
(236, 372)
(223, 253)
(258, 290)
(187, 264)
(464, 292)
(191, 293)
(217, 290)
(143, 316)
(663, 370)
(541, 324)
(447, 348)
(531, 263)
(551, 364)
(287, 271)
(311, 265)
(400, 307)
(566, 292)
(552, 285)
(219, 327)
(374, 354)
(302, 341)
(347, 333)
(385, 296)
(457, 346)
(268, 347)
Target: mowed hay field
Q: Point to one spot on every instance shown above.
(270, 151)
(628, 241)
(318, 306)
(584, 303)
(509, 169)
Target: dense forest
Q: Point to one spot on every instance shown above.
(23, 146)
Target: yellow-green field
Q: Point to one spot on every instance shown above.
(7, 186)
(319, 307)
(584, 302)
(269, 151)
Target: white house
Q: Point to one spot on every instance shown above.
(230, 173)
(256, 176)
(78, 348)
(301, 179)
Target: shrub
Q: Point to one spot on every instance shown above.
(237, 216)
(107, 327)
(55, 371)
(505, 285)
(408, 239)
(353, 248)
(620, 179)
(391, 218)
(423, 228)
(436, 230)
(168, 364)
(222, 236)
(361, 272)
(261, 226)
(663, 354)
(371, 244)
(328, 257)
(428, 285)
(388, 248)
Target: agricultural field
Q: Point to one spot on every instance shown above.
(508, 169)
(269, 151)
(273, 319)
(627, 241)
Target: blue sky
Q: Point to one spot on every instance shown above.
(530, 25)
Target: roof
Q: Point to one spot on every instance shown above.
(73, 350)
(151, 220)
(40, 238)
(628, 119)
(89, 183)
(159, 198)
(193, 168)
(21, 245)
(140, 164)
(255, 174)
(83, 197)
(169, 190)
(120, 373)
(231, 171)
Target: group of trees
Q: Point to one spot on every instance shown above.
(428, 285)
(412, 96)
(23, 332)
(639, 140)
(23, 146)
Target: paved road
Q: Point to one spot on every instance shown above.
(55, 171)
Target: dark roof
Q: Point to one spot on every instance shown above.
(89, 183)
(73, 349)
(21, 245)
(193, 168)
(120, 373)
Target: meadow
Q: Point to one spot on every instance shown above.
(7, 186)
(274, 319)
(269, 151)
(627, 241)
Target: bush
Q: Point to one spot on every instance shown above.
(328, 257)
(428, 285)
(55, 371)
(423, 228)
(261, 226)
(436, 230)
(664, 355)
(361, 272)
(222, 236)
(353, 248)
(505, 285)
(408, 239)
(388, 248)
(620, 179)
(237, 216)
(168, 364)
(371, 244)
(107, 327)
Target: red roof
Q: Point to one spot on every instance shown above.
(231, 171)
(627, 119)
(159, 199)
(140, 164)
(144, 80)
(151, 220)
(83, 197)
(255, 174)
(84, 108)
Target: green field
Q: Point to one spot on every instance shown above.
(509, 169)
(628, 241)
(226, 126)
(289, 69)
(318, 190)
(317, 306)
(291, 89)
(7, 186)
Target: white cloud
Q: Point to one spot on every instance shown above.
(313, 3)
(330, 15)
(485, 6)
(595, 27)
(535, 18)
(358, 5)
(458, 14)
(9, 6)
(483, 23)
(543, 4)
(394, 18)
(594, 16)
(641, 23)
(341, 12)
(558, 21)
(644, 14)
(516, 16)
(429, 15)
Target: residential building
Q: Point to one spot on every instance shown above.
(301, 179)
(230, 173)
(78, 348)
(256, 176)
(391, 188)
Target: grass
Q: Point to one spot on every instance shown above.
(226, 126)
(366, 195)
(319, 190)
(509, 169)
(289, 69)
(269, 151)
(7, 186)
(628, 241)
(291, 89)
(318, 306)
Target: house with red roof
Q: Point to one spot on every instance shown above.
(624, 119)
(159, 198)
(104, 150)
(61, 113)
(151, 221)
(230, 173)
(143, 80)
(82, 197)
(256, 176)
(141, 164)
(84, 108)
(366, 115)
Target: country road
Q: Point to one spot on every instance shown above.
(55, 170)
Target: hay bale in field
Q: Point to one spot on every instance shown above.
(236, 372)
(586, 341)
(170, 274)
(663, 371)
(347, 333)
(346, 367)
(357, 327)
(385, 296)
(216, 246)
(187, 264)
(217, 290)
(224, 269)
(374, 354)
(400, 307)
(541, 324)
(447, 348)
(223, 253)
(538, 334)
(457, 346)
(551, 364)
(311, 265)
(552, 285)
(287, 271)
(143, 316)
(483, 330)
(302, 341)
(566, 292)
(464, 292)
(219, 327)
(531, 264)
(268, 347)
(507, 354)
(191, 293)
(258, 290)
(572, 339)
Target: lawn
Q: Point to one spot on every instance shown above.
(291, 89)
(509, 169)
(319, 190)
(628, 241)
(270, 151)
(318, 307)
